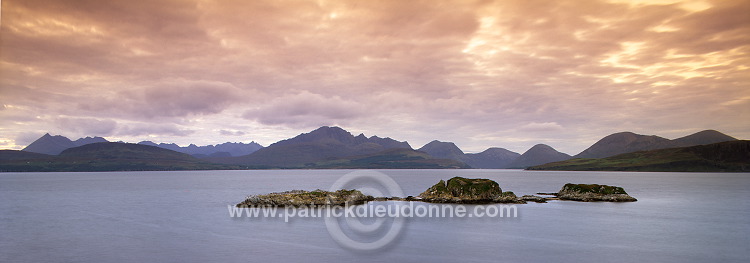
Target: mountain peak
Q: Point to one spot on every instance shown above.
(88, 140)
(320, 134)
(323, 143)
(538, 154)
(622, 142)
(330, 129)
(541, 147)
(48, 144)
(443, 150)
(703, 137)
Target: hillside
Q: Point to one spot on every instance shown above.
(399, 158)
(622, 142)
(701, 138)
(13, 155)
(109, 156)
(625, 142)
(732, 156)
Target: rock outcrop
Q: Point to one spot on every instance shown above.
(307, 198)
(534, 198)
(467, 191)
(594, 192)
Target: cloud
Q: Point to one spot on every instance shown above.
(164, 99)
(541, 127)
(232, 133)
(305, 109)
(151, 129)
(457, 70)
(86, 126)
(26, 138)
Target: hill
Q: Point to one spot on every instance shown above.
(701, 138)
(622, 142)
(538, 154)
(492, 158)
(443, 150)
(625, 142)
(732, 156)
(54, 145)
(110, 156)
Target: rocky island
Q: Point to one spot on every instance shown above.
(594, 192)
(307, 198)
(457, 190)
(468, 191)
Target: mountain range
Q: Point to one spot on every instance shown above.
(322, 147)
(54, 145)
(334, 147)
(492, 158)
(105, 156)
(538, 154)
(220, 150)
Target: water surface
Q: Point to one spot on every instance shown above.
(183, 217)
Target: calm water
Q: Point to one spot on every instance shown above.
(183, 217)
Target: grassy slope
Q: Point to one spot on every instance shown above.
(733, 156)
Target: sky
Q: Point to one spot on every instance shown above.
(509, 73)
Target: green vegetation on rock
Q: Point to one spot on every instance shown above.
(463, 190)
(473, 188)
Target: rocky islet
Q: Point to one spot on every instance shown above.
(457, 190)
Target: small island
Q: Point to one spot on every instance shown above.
(468, 191)
(594, 192)
(307, 198)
